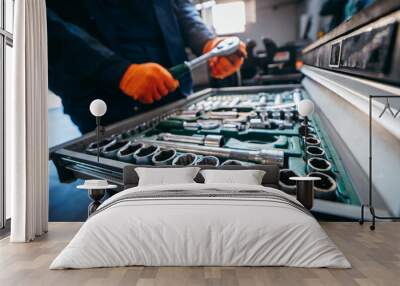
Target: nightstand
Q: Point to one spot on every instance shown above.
(96, 190)
(305, 190)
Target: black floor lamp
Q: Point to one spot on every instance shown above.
(370, 202)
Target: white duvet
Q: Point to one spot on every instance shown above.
(190, 231)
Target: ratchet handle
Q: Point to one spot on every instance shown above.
(179, 71)
(167, 125)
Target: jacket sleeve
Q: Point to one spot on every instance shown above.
(81, 55)
(195, 32)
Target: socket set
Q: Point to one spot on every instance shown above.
(240, 126)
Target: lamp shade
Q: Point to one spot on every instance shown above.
(98, 107)
(305, 107)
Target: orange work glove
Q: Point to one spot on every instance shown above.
(147, 82)
(222, 67)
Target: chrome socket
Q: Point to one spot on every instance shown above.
(213, 140)
(290, 115)
(285, 184)
(312, 141)
(208, 161)
(164, 157)
(314, 151)
(232, 163)
(186, 159)
(110, 151)
(125, 154)
(92, 148)
(144, 155)
(276, 115)
(318, 165)
(324, 188)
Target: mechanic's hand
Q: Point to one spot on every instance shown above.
(147, 82)
(222, 67)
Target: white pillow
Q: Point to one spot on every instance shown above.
(166, 176)
(248, 177)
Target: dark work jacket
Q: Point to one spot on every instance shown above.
(87, 58)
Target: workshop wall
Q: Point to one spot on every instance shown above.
(312, 8)
(277, 20)
(273, 19)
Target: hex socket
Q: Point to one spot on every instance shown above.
(324, 188)
(144, 155)
(208, 161)
(164, 157)
(285, 184)
(92, 148)
(125, 154)
(318, 165)
(232, 163)
(312, 141)
(110, 151)
(315, 151)
(186, 159)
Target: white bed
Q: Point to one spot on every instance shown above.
(245, 225)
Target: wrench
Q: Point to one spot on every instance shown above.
(224, 48)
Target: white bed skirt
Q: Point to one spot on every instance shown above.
(200, 232)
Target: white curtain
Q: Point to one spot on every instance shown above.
(26, 124)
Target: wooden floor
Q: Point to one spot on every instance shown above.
(375, 257)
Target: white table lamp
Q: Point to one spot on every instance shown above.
(98, 108)
(306, 108)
